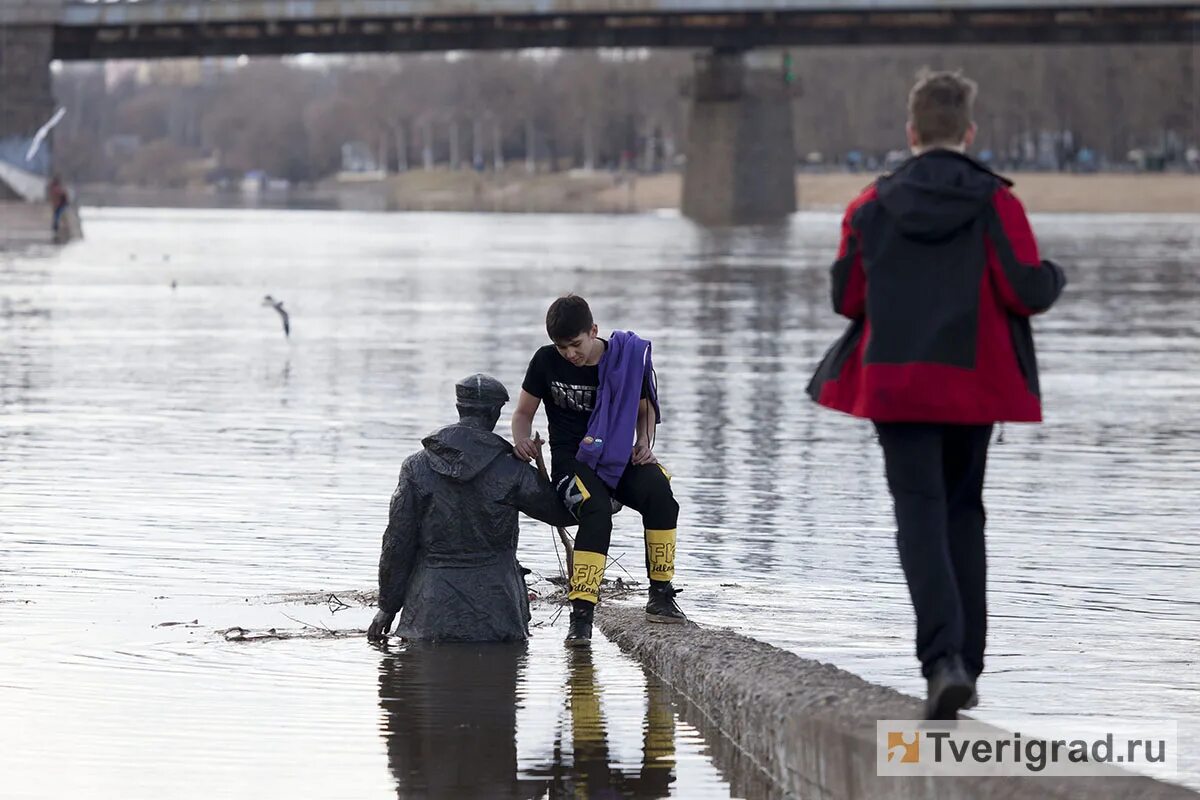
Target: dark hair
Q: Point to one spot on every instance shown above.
(568, 317)
(940, 107)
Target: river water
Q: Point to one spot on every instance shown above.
(168, 456)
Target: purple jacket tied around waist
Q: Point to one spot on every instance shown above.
(624, 369)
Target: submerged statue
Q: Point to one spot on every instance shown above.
(449, 562)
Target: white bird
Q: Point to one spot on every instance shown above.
(43, 132)
(283, 315)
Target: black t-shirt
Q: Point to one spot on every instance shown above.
(569, 394)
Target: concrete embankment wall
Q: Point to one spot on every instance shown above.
(811, 726)
(24, 223)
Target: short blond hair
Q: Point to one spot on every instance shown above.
(941, 107)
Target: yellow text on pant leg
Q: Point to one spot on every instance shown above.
(586, 577)
(660, 552)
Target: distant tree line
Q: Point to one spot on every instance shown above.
(163, 125)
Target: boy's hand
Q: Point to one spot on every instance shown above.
(527, 450)
(643, 455)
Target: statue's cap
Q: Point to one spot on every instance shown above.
(480, 390)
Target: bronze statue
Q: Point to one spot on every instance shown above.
(449, 562)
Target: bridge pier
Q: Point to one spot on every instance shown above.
(26, 97)
(740, 167)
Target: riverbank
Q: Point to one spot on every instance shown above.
(28, 224)
(607, 193)
(610, 193)
(24, 224)
(515, 191)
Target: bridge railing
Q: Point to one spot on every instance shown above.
(184, 11)
(89, 29)
(30, 12)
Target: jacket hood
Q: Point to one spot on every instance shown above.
(935, 194)
(460, 452)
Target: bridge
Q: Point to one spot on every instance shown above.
(157, 28)
(741, 129)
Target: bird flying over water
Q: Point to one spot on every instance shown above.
(283, 315)
(36, 143)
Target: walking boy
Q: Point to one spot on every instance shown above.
(939, 271)
(602, 408)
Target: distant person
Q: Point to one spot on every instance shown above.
(939, 271)
(602, 408)
(1085, 160)
(449, 561)
(60, 200)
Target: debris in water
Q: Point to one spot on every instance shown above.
(240, 634)
(336, 601)
(609, 589)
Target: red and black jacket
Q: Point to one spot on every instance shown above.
(939, 271)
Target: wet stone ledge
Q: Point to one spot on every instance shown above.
(811, 726)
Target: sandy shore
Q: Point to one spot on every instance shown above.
(514, 191)
(1041, 192)
(604, 193)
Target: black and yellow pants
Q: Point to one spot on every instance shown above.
(645, 488)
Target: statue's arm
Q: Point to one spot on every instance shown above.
(537, 498)
(399, 555)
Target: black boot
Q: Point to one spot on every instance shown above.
(662, 606)
(973, 700)
(950, 688)
(580, 632)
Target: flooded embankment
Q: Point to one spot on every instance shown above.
(167, 455)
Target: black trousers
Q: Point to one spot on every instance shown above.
(645, 488)
(935, 474)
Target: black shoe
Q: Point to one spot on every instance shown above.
(580, 632)
(662, 606)
(950, 688)
(973, 700)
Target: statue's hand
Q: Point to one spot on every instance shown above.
(380, 626)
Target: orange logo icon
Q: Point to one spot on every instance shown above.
(904, 748)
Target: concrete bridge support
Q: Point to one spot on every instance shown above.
(26, 99)
(740, 166)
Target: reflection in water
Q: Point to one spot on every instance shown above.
(591, 773)
(450, 722)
